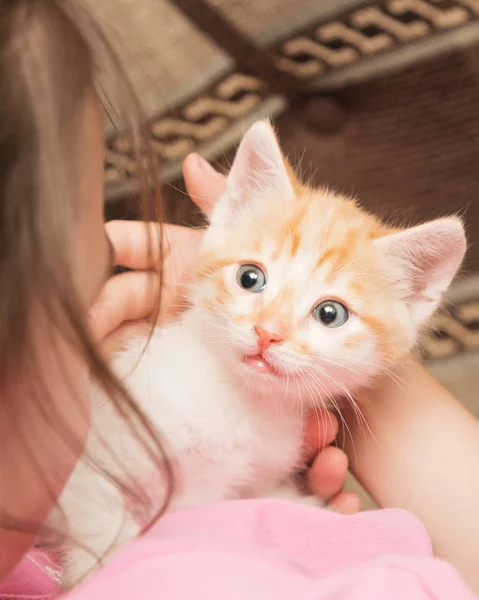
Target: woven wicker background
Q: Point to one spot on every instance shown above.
(166, 57)
(169, 59)
(199, 65)
(406, 145)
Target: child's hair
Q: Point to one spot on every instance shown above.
(50, 54)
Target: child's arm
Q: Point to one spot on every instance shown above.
(422, 454)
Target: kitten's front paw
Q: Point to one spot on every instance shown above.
(96, 545)
(77, 565)
(311, 501)
(293, 494)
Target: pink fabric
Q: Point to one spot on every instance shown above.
(36, 578)
(275, 550)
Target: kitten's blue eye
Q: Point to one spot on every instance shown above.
(331, 313)
(251, 278)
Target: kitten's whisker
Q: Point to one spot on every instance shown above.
(299, 394)
(319, 409)
(186, 194)
(358, 413)
(344, 424)
(398, 380)
(285, 395)
(315, 395)
(311, 393)
(336, 364)
(362, 422)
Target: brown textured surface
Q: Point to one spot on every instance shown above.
(208, 70)
(408, 145)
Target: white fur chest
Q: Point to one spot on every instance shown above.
(222, 442)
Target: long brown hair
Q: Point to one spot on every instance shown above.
(51, 54)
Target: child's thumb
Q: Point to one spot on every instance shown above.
(203, 183)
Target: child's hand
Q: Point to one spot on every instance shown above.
(329, 464)
(130, 298)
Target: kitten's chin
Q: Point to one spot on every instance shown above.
(261, 376)
(259, 365)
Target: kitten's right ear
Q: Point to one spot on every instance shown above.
(423, 261)
(259, 170)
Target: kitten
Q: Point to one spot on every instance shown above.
(299, 298)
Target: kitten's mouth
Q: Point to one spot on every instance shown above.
(258, 363)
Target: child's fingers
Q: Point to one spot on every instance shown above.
(126, 306)
(320, 431)
(326, 476)
(126, 297)
(130, 243)
(118, 340)
(131, 297)
(345, 503)
(203, 183)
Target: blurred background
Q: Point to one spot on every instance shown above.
(379, 99)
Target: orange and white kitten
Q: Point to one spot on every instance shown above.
(299, 298)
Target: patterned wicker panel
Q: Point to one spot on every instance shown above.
(382, 29)
(166, 57)
(454, 330)
(368, 40)
(212, 121)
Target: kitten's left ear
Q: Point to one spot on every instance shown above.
(424, 261)
(259, 171)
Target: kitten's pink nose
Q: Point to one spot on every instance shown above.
(266, 338)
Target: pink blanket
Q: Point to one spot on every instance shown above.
(268, 550)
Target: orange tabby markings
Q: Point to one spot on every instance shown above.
(315, 244)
